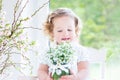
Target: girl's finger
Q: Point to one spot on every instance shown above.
(71, 72)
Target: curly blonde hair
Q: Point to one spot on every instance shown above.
(48, 26)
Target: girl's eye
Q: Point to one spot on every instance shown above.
(69, 30)
(59, 31)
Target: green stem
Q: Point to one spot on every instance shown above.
(57, 77)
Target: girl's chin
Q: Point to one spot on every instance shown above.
(71, 41)
(64, 41)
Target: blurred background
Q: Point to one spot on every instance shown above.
(101, 20)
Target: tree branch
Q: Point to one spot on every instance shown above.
(39, 8)
(30, 28)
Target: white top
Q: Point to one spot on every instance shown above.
(80, 55)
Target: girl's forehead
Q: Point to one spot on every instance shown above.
(63, 20)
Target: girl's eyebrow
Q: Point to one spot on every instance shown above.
(58, 27)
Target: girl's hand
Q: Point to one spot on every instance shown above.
(49, 78)
(69, 77)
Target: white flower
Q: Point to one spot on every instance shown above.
(58, 71)
(61, 54)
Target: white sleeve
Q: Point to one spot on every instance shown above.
(82, 54)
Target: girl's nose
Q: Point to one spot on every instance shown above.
(65, 33)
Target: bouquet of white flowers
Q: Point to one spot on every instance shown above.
(60, 58)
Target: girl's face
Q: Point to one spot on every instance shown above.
(64, 29)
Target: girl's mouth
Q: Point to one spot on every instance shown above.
(65, 38)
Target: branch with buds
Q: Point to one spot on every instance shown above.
(12, 39)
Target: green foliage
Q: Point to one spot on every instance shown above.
(0, 4)
(100, 20)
